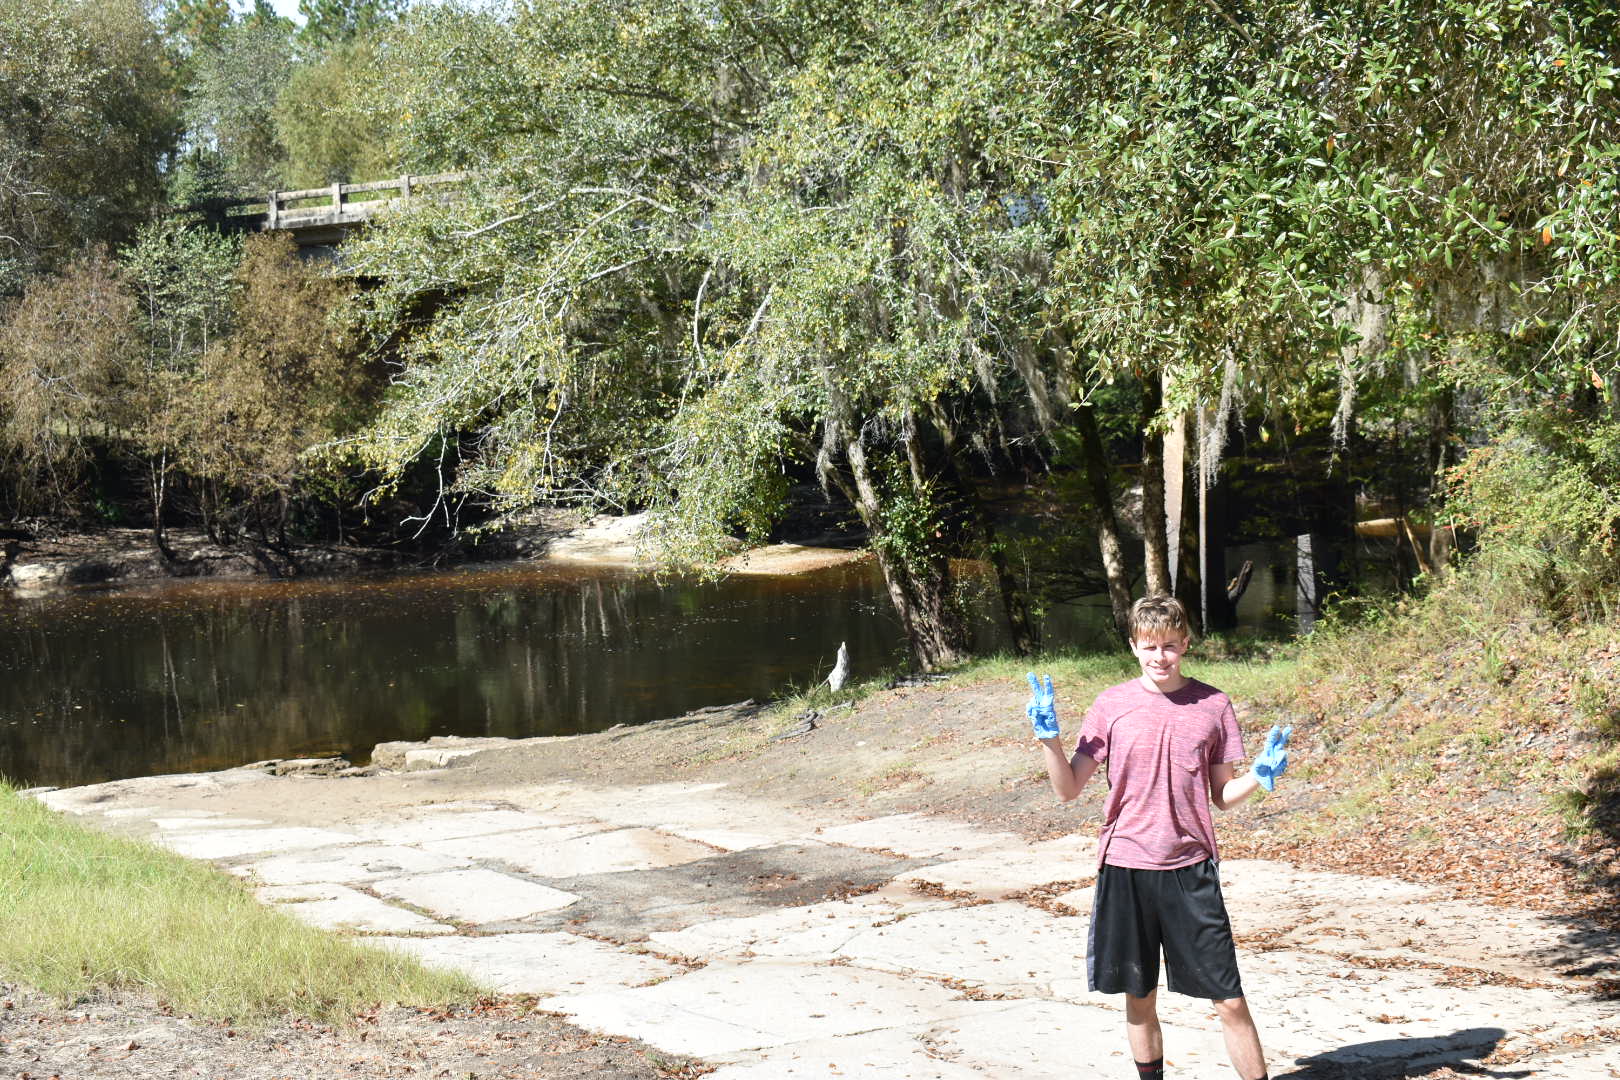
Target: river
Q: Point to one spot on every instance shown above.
(187, 676)
(101, 684)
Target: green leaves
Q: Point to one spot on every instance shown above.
(715, 243)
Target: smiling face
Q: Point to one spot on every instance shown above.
(1160, 656)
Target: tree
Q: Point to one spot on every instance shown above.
(86, 115)
(230, 108)
(66, 348)
(324, 121)
(329, 24)
(721, 244)
(557, 285)
(183, 278)
(285, 380)
(192, 28)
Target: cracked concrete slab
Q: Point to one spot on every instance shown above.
(725, 1008)
(1005, 946)
(1001, 871)
(338, 907)
(726, 839)
(597, 852)
(1381, 918)
(474, 895)
(427, 827)
(1319, 1006)
(173, 824)
(346, 865)
(689, 810)
(536, 963)
(629, 906)
(230, 843)
(919, 835)
(1048, 1040)
(1349, 976)
(97, 798)
(518, 849)
(1602, 1063)
(893, 1054)
(1077, 899)
(810, 931)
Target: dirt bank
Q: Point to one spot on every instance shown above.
(39, 557)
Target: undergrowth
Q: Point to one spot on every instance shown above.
(1471, 690)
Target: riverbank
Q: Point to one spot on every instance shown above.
(894, 867)
(39, 557)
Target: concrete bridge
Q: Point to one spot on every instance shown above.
(321, 217)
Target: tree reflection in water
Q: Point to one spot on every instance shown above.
(204, 675)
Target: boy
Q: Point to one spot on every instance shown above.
(1169, 742)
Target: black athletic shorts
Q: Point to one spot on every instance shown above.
(1135, 913)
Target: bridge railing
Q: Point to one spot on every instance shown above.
(335, 206)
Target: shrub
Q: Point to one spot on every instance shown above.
(1546, 504)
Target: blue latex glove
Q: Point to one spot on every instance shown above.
(1272, 761)
(1042, 708)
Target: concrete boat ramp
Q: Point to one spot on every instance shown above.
(772, 943)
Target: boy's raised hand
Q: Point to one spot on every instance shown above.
(1272, 761)
(1042, 707)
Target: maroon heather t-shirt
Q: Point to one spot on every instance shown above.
(1159, 749)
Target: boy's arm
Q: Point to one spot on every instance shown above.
(1068, 775)
(1225, 791)
(1269, 765)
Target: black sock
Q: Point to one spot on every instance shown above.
(1150, 1070)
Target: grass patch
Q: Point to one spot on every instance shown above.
(1242, 672)
(1080, 676)
(82, 910)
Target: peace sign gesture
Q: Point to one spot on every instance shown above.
(1042, 707)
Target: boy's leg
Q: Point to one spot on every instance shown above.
(1122, 957)
(1242, 1039)
(1142, 1029)
(1202, 959)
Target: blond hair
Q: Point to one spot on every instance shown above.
(1159, 616)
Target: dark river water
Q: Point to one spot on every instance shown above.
(189, 676)
(182, 677)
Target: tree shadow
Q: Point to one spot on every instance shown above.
(1592, 944)
(1394, 1059)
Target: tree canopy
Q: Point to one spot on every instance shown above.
(86, 115)
(720, 249)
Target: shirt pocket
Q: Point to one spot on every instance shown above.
(1189, 755)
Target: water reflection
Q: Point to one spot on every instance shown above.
(183, 677)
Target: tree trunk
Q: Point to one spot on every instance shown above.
(160, 483)
(1439, 553)
(1113, 555)
(1216, 612)
(1155, 546)
(921, 594)
(1026, 636)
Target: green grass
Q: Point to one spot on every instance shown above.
(1078, 676)
(81, 910)
(1244, 673)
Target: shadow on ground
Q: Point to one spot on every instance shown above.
(1394, 1059)
(1596, 861)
